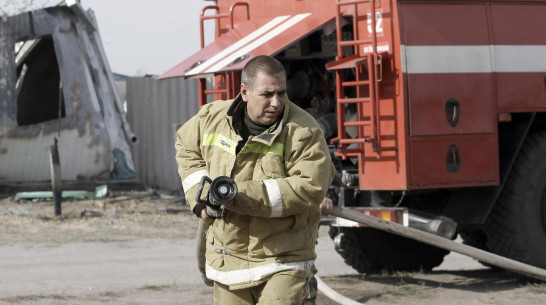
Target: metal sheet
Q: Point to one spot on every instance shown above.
(252, 38)
(155, 108)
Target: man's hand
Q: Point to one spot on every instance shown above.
(205, 216)
(230, 206)
(326, 207)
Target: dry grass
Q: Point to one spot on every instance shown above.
(123, 217)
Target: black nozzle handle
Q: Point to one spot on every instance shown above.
(200, 190)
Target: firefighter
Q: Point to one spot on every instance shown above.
(260, 248)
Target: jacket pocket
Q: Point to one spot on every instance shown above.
(285, 244)
(273, 166)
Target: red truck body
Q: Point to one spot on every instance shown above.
(432, 97)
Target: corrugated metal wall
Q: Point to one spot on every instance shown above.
(154, 107)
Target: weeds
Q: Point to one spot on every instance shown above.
(536, 288)
(32, 298)
(154, 287)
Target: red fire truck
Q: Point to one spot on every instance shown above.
(435, 111)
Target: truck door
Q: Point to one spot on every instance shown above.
(451, 95)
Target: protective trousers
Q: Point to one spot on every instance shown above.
(284, 288)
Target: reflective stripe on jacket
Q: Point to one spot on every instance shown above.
(282, 175)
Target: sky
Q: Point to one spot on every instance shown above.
(148, 37)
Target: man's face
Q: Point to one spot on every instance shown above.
(265, 100)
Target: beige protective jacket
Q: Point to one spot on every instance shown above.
(282, 176)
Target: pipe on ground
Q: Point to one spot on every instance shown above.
(431, 239)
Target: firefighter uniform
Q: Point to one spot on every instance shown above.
(282, 176)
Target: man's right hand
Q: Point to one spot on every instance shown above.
(205, 216)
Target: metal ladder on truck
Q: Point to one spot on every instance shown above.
(224, 82)
(365, 62)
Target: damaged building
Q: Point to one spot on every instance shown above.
(56, 83)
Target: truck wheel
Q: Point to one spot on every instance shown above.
(369, 250)
(348, 245)
(516, 226)
(476, 239)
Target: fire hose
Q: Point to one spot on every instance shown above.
(394, 228)
(201, 249)
(431, 239)
(440, 242)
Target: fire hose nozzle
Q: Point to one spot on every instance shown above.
(222, 190)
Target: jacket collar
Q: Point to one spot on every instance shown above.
(234, 113)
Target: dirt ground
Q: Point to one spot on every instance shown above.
(139, 248)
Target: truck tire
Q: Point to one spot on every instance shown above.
(369, 250)
(351, 250)
(516, 226)
(476, 239)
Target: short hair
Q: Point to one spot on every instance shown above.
(262, 63)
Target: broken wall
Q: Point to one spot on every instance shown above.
(55, 82)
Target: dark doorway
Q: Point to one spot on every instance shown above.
(39, 89)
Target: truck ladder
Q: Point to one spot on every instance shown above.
(365, 84)
(224, 81)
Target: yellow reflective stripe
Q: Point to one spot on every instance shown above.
(218, 140)
(229, 145)
(259, 148)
